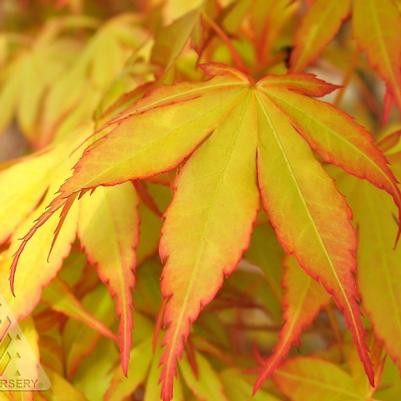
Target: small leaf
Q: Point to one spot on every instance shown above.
(170, 40)
(238, 389)
(266, 253)
(313, 379)
(95, 372)
(152, 388)
(151, 222)
(59, 296)
(303, 299)
(80, 340)
(23, 195)
(206, 385)
(122, 386)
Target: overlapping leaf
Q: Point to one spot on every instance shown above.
(269, 18)
(111, 246)
(23, 195)
(74, 96)
(80, 340)
(376, 28)
(303, 298)
(318, 27)
(37, 251)
(60, 297)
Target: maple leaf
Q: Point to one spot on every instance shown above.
(303, 299)
(111, 247)
(238, 136)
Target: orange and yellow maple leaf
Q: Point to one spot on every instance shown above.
(233, 135)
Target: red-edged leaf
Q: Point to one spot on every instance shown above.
(314, 225)
(337, 139)
(108, 229)
(35, 261)
(207, 227)
(304, 84)
(208, 224)
(179, 117)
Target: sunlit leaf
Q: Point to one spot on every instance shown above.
(108, 230)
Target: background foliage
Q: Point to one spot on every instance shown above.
(151, 100)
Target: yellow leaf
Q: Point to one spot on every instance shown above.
(26, 182)
(205, 384)
(220, 176)
(108, 229)
(313, 379)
